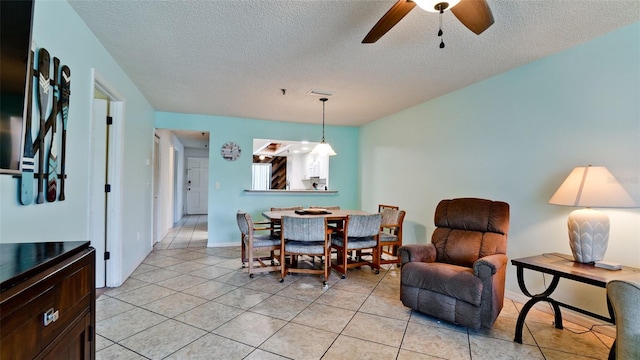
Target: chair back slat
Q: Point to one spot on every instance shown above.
(383, 206)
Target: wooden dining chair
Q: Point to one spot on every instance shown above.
(253, 245)
(305, 236)
(361, 232)
(390, 235)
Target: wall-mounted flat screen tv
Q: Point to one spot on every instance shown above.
(15, 45)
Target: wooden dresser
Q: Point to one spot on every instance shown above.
(47, 301)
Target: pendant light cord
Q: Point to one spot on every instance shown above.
(324, 100)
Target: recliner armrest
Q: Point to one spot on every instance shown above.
(489, 265)
(417, 252)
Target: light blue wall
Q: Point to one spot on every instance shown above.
(58, 28)
(235, 176)
(515, 137)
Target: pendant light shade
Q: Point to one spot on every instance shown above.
(323, 149)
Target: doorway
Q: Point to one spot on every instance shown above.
(197, 186)
(175, 148)
(105, 182)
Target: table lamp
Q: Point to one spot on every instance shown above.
(590, 186)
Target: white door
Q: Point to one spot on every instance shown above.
(97, 186)
(197, 185)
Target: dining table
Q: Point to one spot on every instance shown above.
(276, 216)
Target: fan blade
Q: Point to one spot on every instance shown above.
(474, 14)
(389, 20)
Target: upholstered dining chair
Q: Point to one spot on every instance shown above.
(304, 236)
(390, 235)
(460, 276)
(624, 295)
(253, 245)
(360, 233)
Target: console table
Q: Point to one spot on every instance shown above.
(563, 266)
(47, 300)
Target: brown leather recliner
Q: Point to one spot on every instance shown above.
(460, 276)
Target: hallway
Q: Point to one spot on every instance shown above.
(189, 232)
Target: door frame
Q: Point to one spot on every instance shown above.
(156, 186)
(113, 267)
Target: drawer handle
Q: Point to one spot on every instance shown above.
(51, 316)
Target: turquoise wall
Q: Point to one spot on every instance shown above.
(515, 137)
(234, 177)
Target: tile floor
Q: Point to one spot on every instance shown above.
(187, 301)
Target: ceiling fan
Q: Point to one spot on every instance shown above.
(474, 14)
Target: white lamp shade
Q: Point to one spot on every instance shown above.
(323, 149)
(590, 186)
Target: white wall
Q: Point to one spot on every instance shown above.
(58, 29)
(515, 137)
(169, 163)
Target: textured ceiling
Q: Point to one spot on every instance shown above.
(232, 58)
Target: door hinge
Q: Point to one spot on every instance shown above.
(107, 255)
(109, 120)
(107, 187)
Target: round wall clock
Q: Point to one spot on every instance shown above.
(230, 151)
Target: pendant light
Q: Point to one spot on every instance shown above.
(323, 148)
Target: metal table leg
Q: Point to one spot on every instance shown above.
(543, 296)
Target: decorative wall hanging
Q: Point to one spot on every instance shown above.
(230, 151)
(53, 93)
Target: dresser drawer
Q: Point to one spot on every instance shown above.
(36, 312)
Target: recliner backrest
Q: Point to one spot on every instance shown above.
(468, 229)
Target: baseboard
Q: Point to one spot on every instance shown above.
(567, 314)
(222, 244)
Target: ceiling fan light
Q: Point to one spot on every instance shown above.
(434, 5)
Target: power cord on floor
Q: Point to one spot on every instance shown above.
(553, 323)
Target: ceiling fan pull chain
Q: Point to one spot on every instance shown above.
(440, 30)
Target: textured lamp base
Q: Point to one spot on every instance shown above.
(588, 235)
